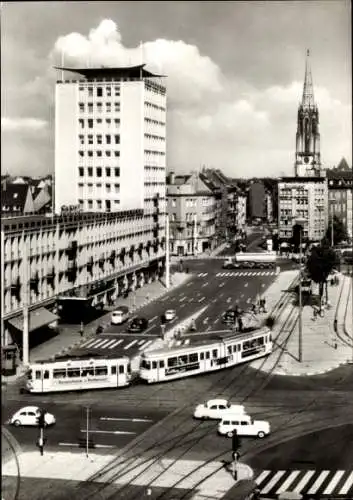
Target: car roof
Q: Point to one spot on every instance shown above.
(28, 408)
(217, 401)
(121, 309)
(170, 310)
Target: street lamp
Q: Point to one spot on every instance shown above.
(300, 222)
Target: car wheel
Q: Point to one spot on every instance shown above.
(230, 434)
(261, 434)
(17, 423)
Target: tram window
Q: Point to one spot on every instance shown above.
(113, 370)
(101, 370)
(121, 369)
(172, 362)
(182, 360)
(87, 371)
(261, 341)
(202, 356)
(161, 364)
(146, 364)
(207, 354)
(194, 357)
(154, 365)
(73, 372)
(30, 374)
(229, 349)
(59, 373)
(46, 373)
(38, 374)
(214, 353)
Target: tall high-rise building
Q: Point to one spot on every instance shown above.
(110, 139)
(307, 154)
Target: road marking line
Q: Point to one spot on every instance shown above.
(90, 343)
(141, 342)
(208, 328)
(202, 298)
(187, 341)
(246, 284)
(146, 344)
(131, 344)
(182, 300)
(346, 487)
(116, 343)
(95, 446)
(109, 343)
(318, 482)
(304, 481)
(273, 481)
(262, 476)
(85, 344)
(111, 419)
(333, 483)
(107, 432)
(104, 343)
(98, 343)
(215, 321)
(148, 329)
(205, 284)
(288, 481)
(154, 317)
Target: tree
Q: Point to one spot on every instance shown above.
(320, 264)
(339, 231)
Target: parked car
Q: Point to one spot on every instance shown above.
(138, 325)
(28, 415)
(244, 425)
(229, 317)
(217, 408)
(170, 314)
(120, 315)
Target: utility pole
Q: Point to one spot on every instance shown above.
(300, 319)
(87, 430)
(332, 241)
(3, 335)
(167, 258)
(26, 299)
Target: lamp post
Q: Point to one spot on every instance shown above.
(300, 222)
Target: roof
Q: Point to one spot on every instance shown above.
(343, 165)
(14, 195)
(340, 174)
(117, 72)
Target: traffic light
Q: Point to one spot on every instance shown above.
(236, 444)
(41, 419)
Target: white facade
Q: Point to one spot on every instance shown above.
(241, 211)
(110, 140)
(306, 199)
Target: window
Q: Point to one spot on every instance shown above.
(116, 188)
(90, 172)
(90, 188)
(108, 121)
(99, 152)
(81, 153)
(107, 171)
(99, 139)
(161, 364)
(99, 92)
(73, 372)
(117, 107)
(202, 356)
(116, 121)
(38, 374)
(214, 353)
(117, 139)
(46, 374)
(90, 153)
(81, 139)
(90, 123)
(113, 370)
(108, 139)
(117, 172)
(207, 354)
(193, 358)
(117, 91)
(154, 365)
(99, 204)
(107, 188)
(99, 121)
(108, 91)
(121, 369)
(90, 91)
(108, 107)
(101, 370)
(172, 362)
(90, 107)
(99, 107)
(81, 123)
(116, 153)
(90, 204)
(99, 171)
(81, 107)
(107, 153)
(85, 372)
(90, 139)
(59, 373)
(107, 205)
(80, 171)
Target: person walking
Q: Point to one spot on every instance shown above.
(81, 329)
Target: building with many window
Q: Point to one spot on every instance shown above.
(340, 193)
(193, 209)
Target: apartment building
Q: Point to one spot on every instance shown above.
(340, 193)
(304, 198)
(193, 209)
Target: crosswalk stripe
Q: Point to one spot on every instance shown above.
(104, 343)
(273, 481)
(140, 342)
(130, 345)
(333, 483)
(144, 345)
(187, 341)
(292, 476)
(89, 343)
(109, 343)
(97, 343)
(116, 343)
(318, 482)
(304, 481)
(347, 485)
(262, 476)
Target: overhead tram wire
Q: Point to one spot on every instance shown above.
(181, 437)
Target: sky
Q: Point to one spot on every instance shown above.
(234, 74)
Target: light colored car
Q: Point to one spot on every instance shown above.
(170, 314)
(120, 315)
(28, 416)
(244, 425)
(217, 408)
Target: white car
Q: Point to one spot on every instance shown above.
(170, 314)
(217, 408)
(244, 425)
(28, 416)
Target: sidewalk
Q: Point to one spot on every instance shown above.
(322, 349)
(69, 336)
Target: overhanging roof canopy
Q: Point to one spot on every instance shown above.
(38, 318)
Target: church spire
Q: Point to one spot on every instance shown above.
(308, 90)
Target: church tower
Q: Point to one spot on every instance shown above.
(307, 154)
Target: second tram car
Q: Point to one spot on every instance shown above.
(223, 351)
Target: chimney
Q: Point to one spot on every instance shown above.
(171, 177)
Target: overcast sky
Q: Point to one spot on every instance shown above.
(235, 76)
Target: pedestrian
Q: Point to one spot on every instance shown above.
(264, 305)
(81, 329)
(234, 469)
(335, 325)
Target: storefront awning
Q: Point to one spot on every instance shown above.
(37, 318)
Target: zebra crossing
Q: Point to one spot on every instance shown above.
(306, 482)
(239, 273)
(122, 343)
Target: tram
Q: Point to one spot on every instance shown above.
(223, 351)
(77, 374)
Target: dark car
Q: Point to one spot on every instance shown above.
(230, 316)
(138, 325)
